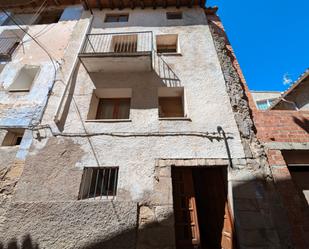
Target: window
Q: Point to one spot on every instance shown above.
(124, 43)
(49, 17)
(167, 43)
(24, 79)
(174, 15)
(300, 176)
(171, 102)
(9, 41)
(99, 182)
(298, 165)
(110, 104)
(113, 109)
(13, 138)
(264, 104)
(117, 18)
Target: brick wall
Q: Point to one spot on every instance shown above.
(282, 126)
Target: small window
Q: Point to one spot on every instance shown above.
(174, 15)
(9, 41)
(167, 43)
(171, 102)
(117, 18)
(124, 43)
(114, 109)
(110, 103)
(264, 104)
(24, 79)
(13, 138)
(49, 17)
(99, 182)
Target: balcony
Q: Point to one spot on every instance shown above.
(118, 52)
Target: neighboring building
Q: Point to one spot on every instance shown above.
(264, 99)
(140, 138)
(284, 131)
(296, 97)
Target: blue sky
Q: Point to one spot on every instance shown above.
(270, 39)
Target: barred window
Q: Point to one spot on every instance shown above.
(99, 183)
(9, 41)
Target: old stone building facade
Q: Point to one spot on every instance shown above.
(284, 131)
(128, 125)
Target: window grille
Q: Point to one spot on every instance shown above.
(9, 41)
(99, 183)
(125, 43)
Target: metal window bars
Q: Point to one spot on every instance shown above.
(99, 183)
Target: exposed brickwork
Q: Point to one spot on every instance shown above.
(282, 126)
(275, 157)
(269, 126)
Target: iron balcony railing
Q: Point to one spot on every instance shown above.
(113, 44)
(130, 44)
(164, 71)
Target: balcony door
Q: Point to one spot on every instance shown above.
(202, 215)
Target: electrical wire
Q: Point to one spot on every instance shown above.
(34, 39)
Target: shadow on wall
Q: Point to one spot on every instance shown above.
(26, 243)
(302, 123)
(126, 239)
(262, 217)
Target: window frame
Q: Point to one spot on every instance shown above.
(117, 17)
(174, 15)
(12, 138)
(86, 185)
(116, 107)
(177, 44)
(168, 92)
(12, 88)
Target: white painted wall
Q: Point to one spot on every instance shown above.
(207, 103)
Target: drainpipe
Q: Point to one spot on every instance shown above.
(221, 131)
(56, 117)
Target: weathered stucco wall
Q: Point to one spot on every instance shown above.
(199, 71)
(84, 225)
(21, 109)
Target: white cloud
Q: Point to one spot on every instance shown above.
(286, 79)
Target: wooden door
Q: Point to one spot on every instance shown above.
(186, 222)
(202, 215)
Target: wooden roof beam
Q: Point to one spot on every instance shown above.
(99, 4)
(132, 4)
(111, 3)
(164, 4)
(120, 4)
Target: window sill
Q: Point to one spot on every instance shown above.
(19, 91)
(170, 54)
(108, 120)
(175, 119)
